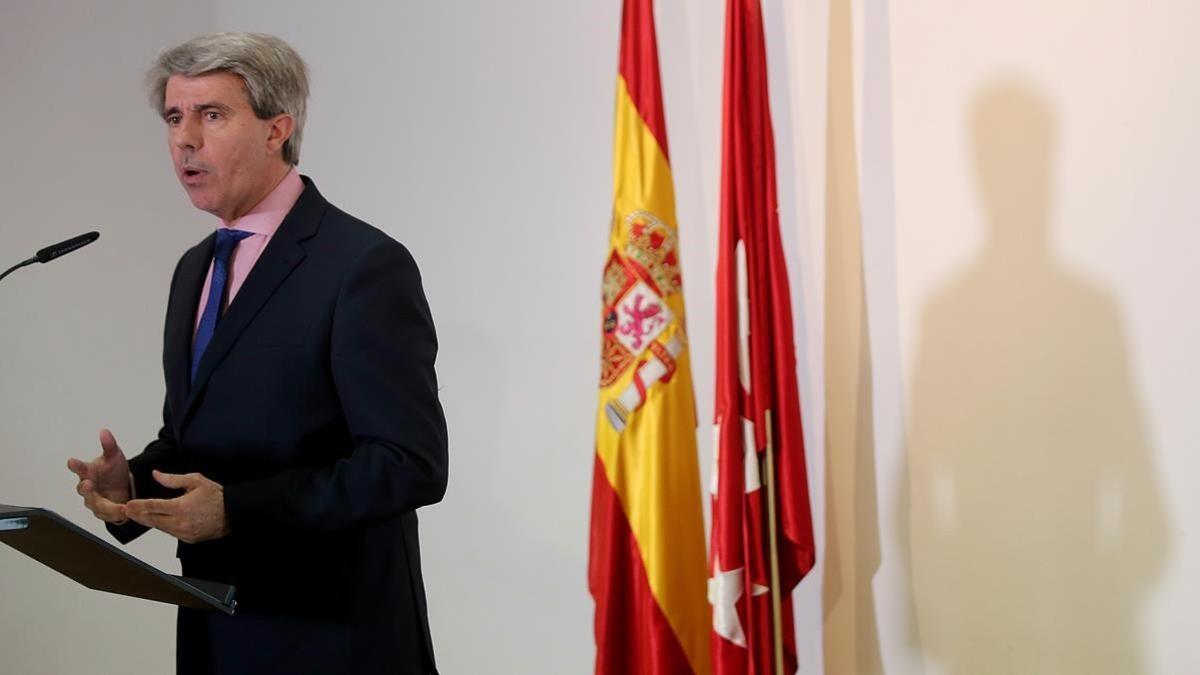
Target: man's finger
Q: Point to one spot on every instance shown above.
(109, 444)
(158, 521)
(104, 509)
(77, 467)
(168, 507)
(147, 519)
(177, 480)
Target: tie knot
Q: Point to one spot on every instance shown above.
(226, 234)
(226, 239)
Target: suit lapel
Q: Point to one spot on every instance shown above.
(180, 325)
(277, 261)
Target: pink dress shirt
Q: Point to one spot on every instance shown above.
(262, 220)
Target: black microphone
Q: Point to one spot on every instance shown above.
(54, 251)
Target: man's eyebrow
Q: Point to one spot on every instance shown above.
(216, 105)
(212, 104)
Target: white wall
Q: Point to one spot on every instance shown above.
(81, 338)
(1000, 451)
(1037, 330)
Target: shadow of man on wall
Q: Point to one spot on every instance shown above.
(1036, 528)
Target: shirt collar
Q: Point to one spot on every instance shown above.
(268, 215)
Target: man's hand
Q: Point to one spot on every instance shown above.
(199, 515)
(104, 481)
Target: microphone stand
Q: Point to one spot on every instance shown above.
(18, 266)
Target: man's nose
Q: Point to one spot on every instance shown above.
(187, 135)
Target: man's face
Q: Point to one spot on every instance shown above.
(224, 156)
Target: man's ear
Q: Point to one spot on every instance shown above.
(279, 130)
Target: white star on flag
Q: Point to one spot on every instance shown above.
(724, 589)
(749, 463)
(716, 462)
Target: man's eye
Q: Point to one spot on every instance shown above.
(173, 120)
(212, 115)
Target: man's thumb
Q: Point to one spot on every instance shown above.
(109, 444)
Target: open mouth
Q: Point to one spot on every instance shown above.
(191, 176)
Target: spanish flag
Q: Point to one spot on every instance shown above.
(647, 570)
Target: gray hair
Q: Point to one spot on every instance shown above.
(275, 76)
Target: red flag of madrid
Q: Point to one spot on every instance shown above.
(762, 539)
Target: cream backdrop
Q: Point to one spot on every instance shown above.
(985, 209)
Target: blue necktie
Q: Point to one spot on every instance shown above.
(227, 239)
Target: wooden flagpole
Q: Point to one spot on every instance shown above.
(772, 539)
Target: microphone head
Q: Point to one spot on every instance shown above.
(64, 247)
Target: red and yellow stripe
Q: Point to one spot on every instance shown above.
(647, 568)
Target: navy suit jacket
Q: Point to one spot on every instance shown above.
(315, 406)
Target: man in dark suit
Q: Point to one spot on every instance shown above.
(301, 427)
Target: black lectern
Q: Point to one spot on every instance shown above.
(59, 544)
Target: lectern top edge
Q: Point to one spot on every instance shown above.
(71, 550)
